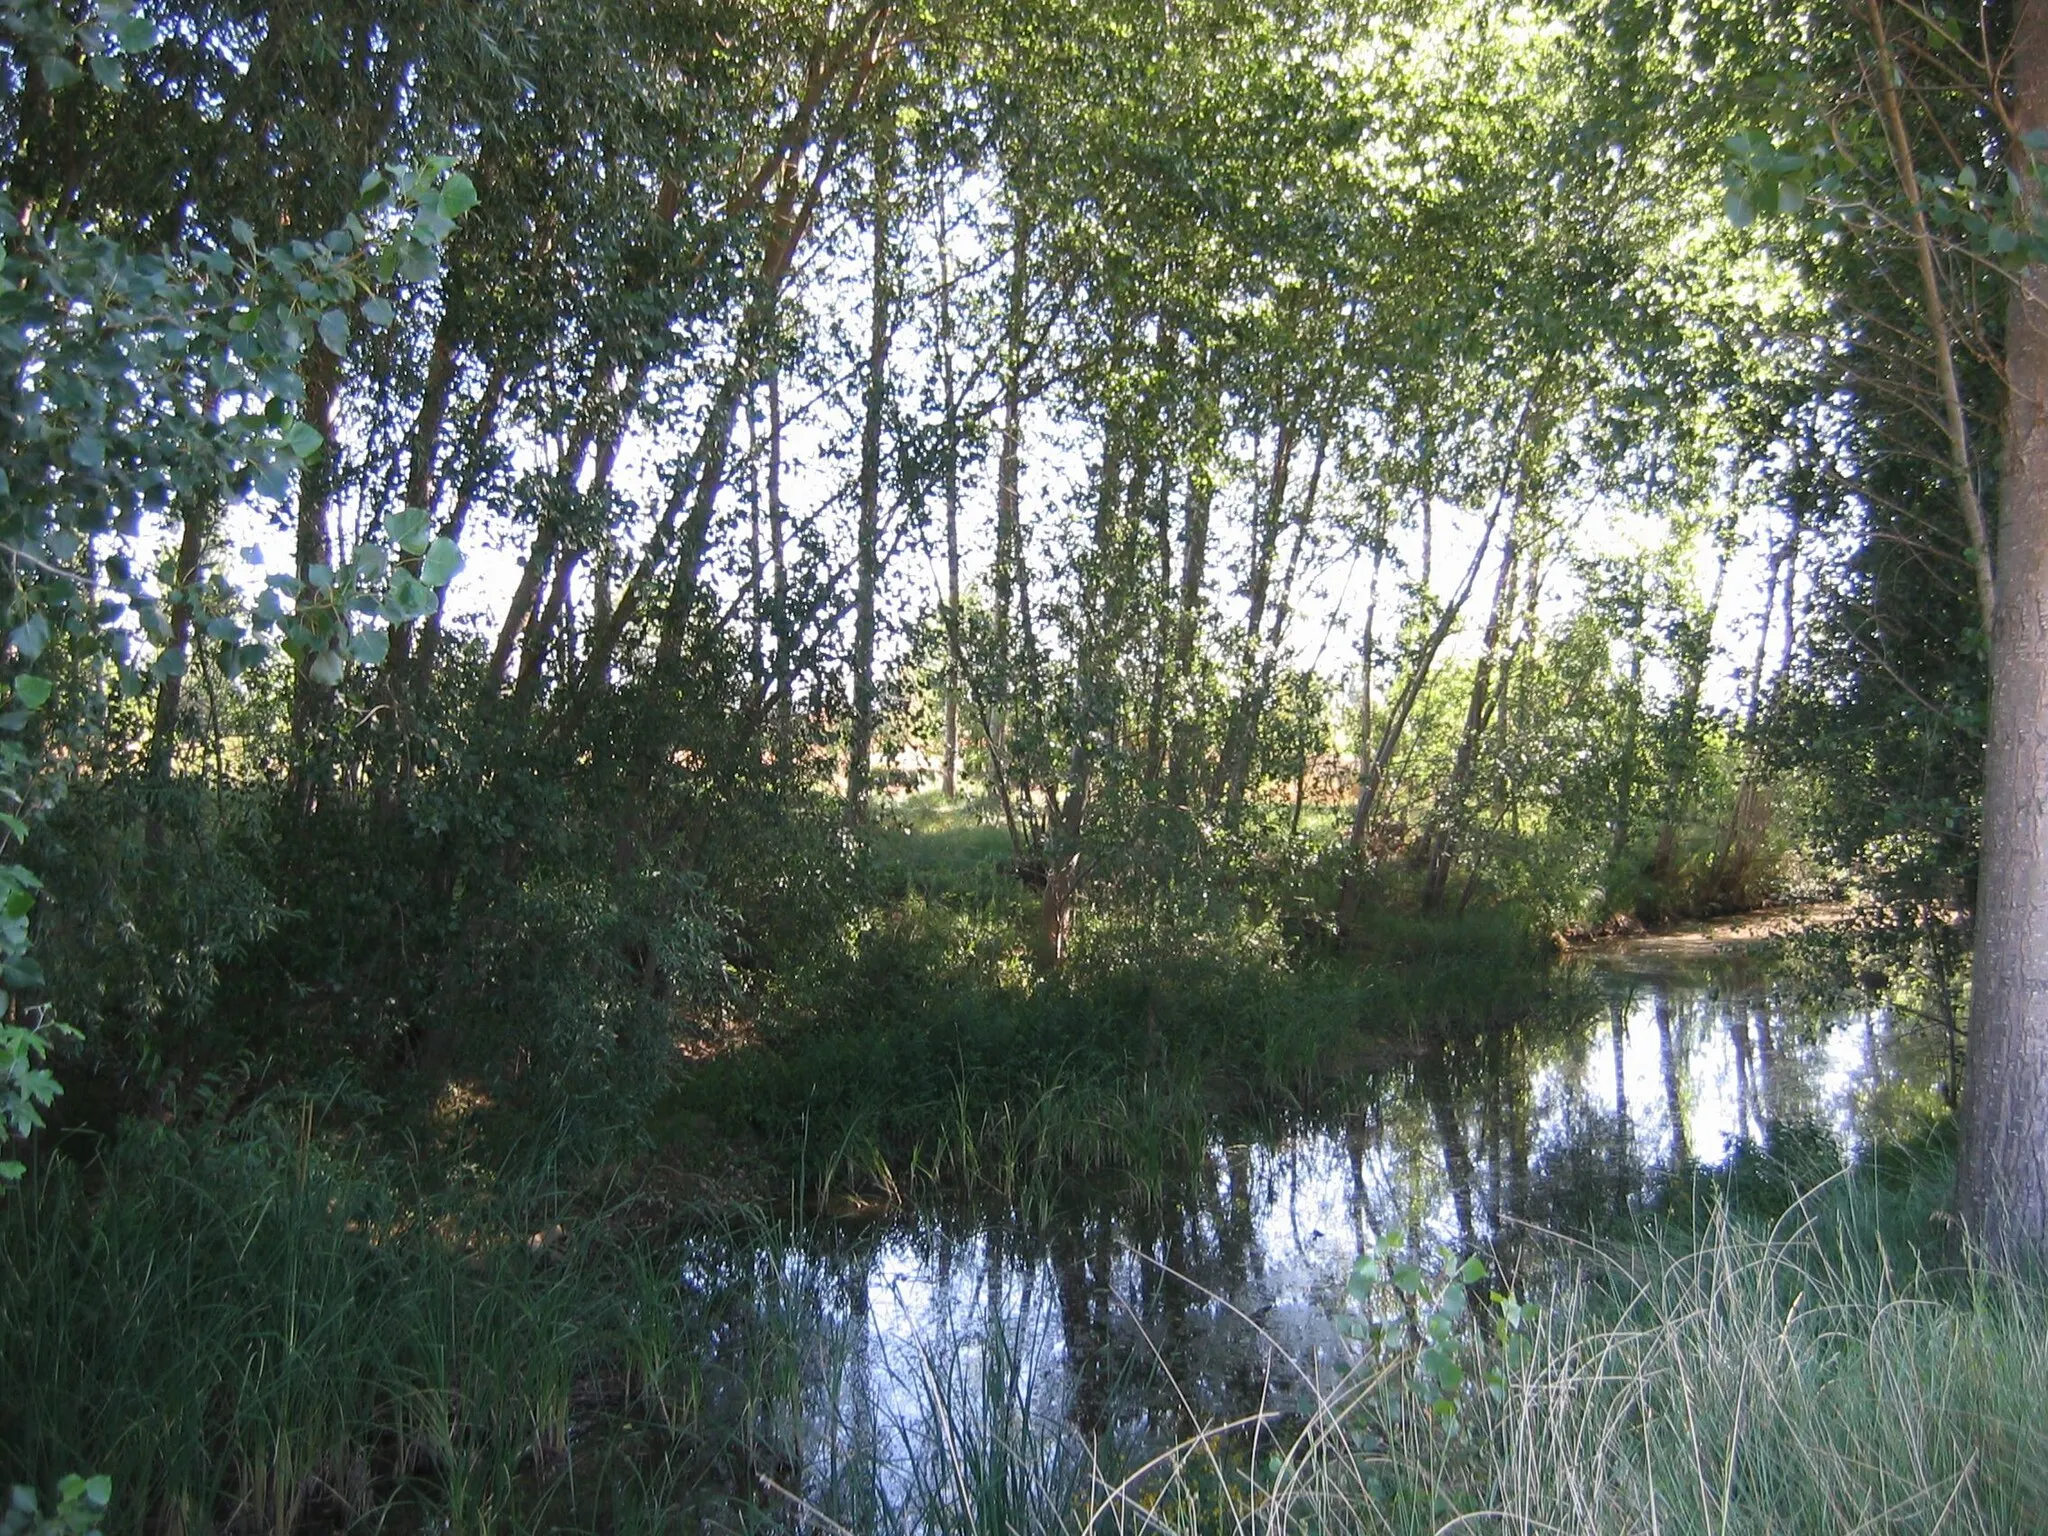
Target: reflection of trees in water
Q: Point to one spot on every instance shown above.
(1672, 1057)
(1124, 1323)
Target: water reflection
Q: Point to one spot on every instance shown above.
(885, 1369)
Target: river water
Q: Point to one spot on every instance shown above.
(881, 1365)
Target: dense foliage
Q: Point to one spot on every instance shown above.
(931, 593)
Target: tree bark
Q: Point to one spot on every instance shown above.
(2003, 1185)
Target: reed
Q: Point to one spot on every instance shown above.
(1723, 1380)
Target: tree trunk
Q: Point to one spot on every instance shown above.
(2003, 1185)
(949, 784)
(785, 706)
(1529, 442)
(422, 669)
(163, 733)
(868, 539)
(1451, 808)
(1267, 516)
(1184, 732)
(1008, 571)
(312, 545)
(423, 457)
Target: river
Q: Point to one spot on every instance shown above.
(872, 1368)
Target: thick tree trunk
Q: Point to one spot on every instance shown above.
(2003, 1186)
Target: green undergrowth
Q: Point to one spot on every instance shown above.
(256, 1327)
(936, 1055)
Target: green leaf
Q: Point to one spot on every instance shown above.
(134, 34)
(370, 647)
(458, 196)
(33, 691)
(378, 313)
(334, 332)
(1741, 212)
(2004, 239)
(321, 576)
(409, 598)
(440, 563)
(303, 439)
(58, 71)
(326, 668)
(31, 635)
(407, 528)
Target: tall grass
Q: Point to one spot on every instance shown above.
(1732, 1379)
(253, 1328)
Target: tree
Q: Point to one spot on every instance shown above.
(1925, 136)
(2003, 1185)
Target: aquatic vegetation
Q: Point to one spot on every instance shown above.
(1801, 1376)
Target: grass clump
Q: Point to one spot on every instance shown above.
(1726, 1378)
(252, 1327)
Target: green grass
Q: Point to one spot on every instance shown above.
(1812, 1375)
(253, 1328)
(937, 1058)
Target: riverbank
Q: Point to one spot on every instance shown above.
(1091, 1217)
(255, 1335)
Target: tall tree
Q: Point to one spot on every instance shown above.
(2004, 1180)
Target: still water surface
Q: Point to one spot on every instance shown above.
(1121, 1324)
